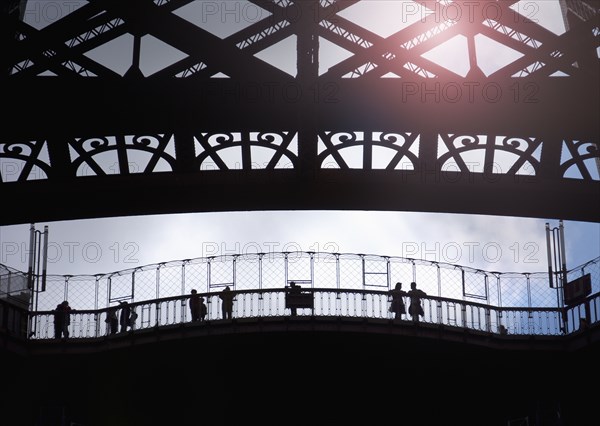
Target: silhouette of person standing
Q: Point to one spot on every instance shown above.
(415, 309)
(124, 318)
(227, 305)
(397, 305)
(65, 311)
(195, 305)
(203, 308)
(58, 321)
(112, 320)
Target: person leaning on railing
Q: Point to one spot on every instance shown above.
(397, 305)
(415, 309)
(227, 305)
(112, 320)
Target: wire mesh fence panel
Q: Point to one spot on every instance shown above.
(451, 282)
(426, 278)
(475, 286)
(196, 276)
(401, 271)
(325, 270)
(121, 287)
(513, 290)
(273, 271)
(170, 280)
(103, 287)
(494, 289)
(541, 293)
(55, 293)
(81, 292)
(12, 281)
(221, 272)
(375, 272)
(248, 272)
(300, 268)
(593, 268)
(351, 271)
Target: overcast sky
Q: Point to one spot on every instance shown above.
(491, 243)
(486, 242)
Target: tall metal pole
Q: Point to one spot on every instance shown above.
(549, 250)
(555, 244)
(31, 256)
(563, 254)
(44, 258)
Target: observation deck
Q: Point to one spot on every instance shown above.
(506, 326)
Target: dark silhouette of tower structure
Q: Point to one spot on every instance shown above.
(516, 140)
(223, 128)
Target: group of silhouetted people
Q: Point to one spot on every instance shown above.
(415, 309)
(126, 318)
(197, 307)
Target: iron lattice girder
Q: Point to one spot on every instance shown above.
(144, 17)
(536, 112)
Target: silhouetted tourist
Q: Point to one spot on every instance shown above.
(195, 305)
(227, 305)
(203, 309)
(132, 318)
(58, 321)
(112, 321)
(65, 321)
(397, 305)
(294, 290)
(415, 309)
(502, 330)
(124, 317)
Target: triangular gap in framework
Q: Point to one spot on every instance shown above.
(222, 18)
(493, 56)
(116, 54)
(282, 55)
(453, 55)
(384, 18)
(156, 55)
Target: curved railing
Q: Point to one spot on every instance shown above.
(333, 271)
(248, 304)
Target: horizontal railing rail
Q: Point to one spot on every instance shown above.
(248, 304)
